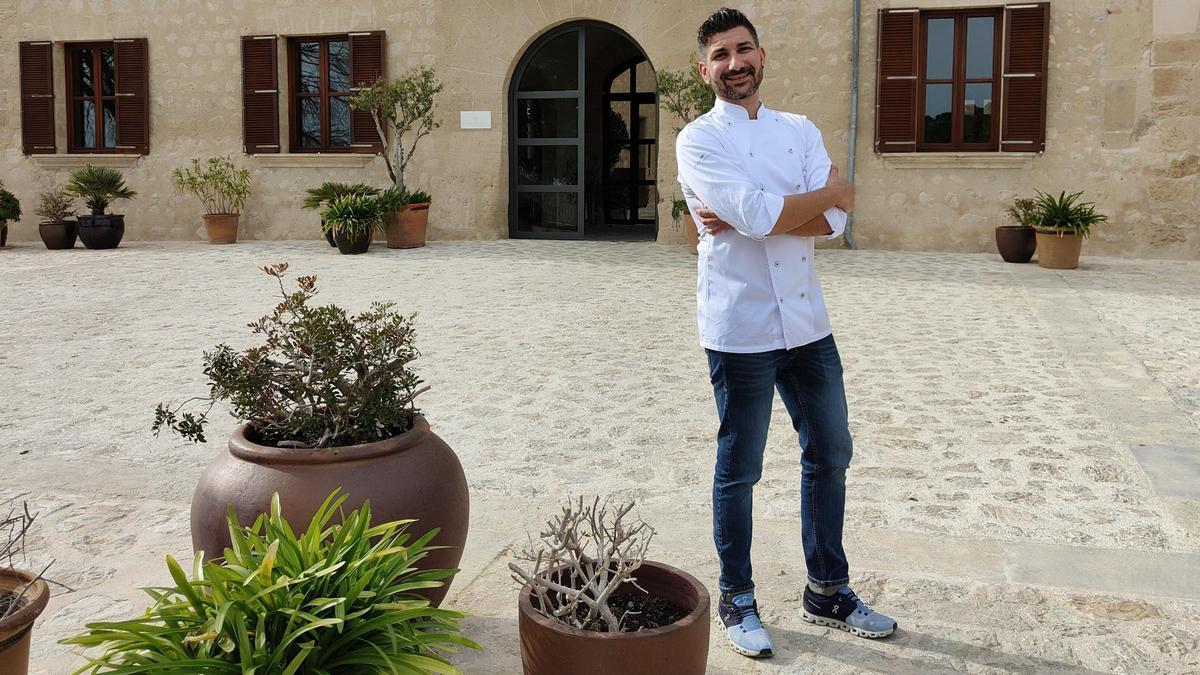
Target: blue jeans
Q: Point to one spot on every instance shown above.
(809, 380)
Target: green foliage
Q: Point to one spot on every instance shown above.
(98, 186)
(678, 208)
(1066, 214)
(333, 599)
(10, 207)
(221, 186)
(393, 199)
(56, 205)
(352, 215)
(684, 94)
(1023, 211)
(320, 197)
(322, 378)
(402, 109)
(418, 197)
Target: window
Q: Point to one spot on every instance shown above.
(630, 144)
(324, 72)
(107, 96)
(963, 80)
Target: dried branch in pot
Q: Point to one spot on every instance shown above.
(585, 554)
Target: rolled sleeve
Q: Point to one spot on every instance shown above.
(817, 172)
(716, 179)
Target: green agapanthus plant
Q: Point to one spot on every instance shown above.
(1065, 214)
(353, 215)
(334, 599)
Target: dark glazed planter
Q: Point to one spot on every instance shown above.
(328, 235)
(413, 475)
(1016, 244)
(16, 628)
(352, 245)
(552, 648)
(57, 235)
(99, 232)
(3, 235)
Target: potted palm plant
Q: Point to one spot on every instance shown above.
(98, 187)
(684, 94)
(353, 219)
(322, 195)
(1017, 243)
(327, 401)
(10, 209)
(57, 206)
(403, 111)
(1062, 223)
(591, 604)
(223, 190)
(338, 597)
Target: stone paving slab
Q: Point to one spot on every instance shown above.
(996, 411)
(1173, 471)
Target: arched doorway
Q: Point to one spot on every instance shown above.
(583, 127)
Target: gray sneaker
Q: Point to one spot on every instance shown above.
(843, 610)
(739, 617)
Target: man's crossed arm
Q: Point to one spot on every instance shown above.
(803, 215)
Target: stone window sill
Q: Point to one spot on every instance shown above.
(314, 161)
(958, 160)
(77, 161)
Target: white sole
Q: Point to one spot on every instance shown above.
(842, 625)
(736, 647)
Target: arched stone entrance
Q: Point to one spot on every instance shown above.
(583, 134)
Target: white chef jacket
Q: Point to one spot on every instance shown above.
(755, 293)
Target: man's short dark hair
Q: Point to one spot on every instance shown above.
(720, 21)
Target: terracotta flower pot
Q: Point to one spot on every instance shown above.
(58, 235)
(1015, 243)
(222, 228)
(1058, 251)
(16, 628)
(352, 245)
(413, 475)
(550, 647)
(406, 228)
(693, 234)
(100, 232)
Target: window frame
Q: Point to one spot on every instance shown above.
(70, 49)
(958, 79)
(294, 94)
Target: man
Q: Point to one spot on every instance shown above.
(762, 185)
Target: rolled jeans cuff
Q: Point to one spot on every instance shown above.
(824, 587)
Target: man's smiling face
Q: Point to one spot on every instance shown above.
(733, 64)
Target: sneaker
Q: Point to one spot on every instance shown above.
(845, 611)
(739, 617)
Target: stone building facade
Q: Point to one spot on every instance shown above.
(1122, 118)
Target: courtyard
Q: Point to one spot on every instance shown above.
(1025, 494)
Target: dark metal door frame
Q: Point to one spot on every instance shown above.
(633, 184)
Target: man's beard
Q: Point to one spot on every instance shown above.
(728, 92)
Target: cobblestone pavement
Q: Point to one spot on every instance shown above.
(1025, 494)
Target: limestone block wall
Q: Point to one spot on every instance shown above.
(1123, 115)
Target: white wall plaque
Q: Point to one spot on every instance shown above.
(475, 119)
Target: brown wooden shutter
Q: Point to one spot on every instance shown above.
(1027, 50)
(37, 98)
(896, 83)
(133, 95)
(368, 63)
(260, 94)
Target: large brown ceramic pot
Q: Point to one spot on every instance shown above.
(16, 628)
(222, 228)
(406, 228)
(1015, 243)
(1058, 251)
(413, 475)
(552, 648)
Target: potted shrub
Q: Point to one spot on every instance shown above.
(1017, 243)
(223, 190)
(23, 594)
(335, 598)
(1063, 222)
(321, 196)
(353, 219)
(56, 206)
(328, 402)
(403, 111)
(590, 603)
(10, 209)
(684, 94)
(99, 186)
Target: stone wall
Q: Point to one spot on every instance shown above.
(1123, 115)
